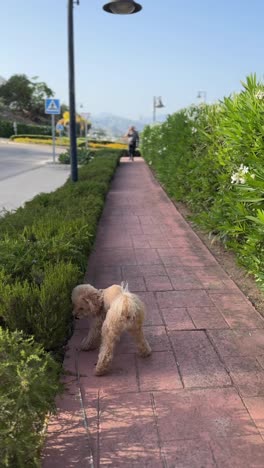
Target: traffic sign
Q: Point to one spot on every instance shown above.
(52, 106)
(59, 127)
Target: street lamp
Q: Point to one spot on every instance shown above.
(202, 95)
(118, 7)
(157, 104)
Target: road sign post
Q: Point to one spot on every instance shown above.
(53, 137)
(52, 107)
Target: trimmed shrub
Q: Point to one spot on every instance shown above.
(41, 307)
(29, 382)
(84, 156)
(7, 129)
(44, 249)
(32, 137)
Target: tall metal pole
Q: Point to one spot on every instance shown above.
(73, 142)
(154, 109)
(53, 137)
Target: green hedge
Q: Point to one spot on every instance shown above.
(29, 382)
(7, 129)
(43, 249)
(84, 156)
(81, 141)
(33, 137)
(211, 157)
(51, 237)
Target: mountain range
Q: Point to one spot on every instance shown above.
(116, 125)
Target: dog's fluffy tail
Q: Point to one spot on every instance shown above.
(128, 308)
(124, 286)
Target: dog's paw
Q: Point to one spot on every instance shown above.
(145, 352)
(85, 345)
(100, 371)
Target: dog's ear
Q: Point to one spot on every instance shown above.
(94, 301)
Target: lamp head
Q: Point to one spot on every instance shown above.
(122, 7)
(159, 103)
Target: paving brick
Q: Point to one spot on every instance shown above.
(172, 261)
(158, 243)
(153, 316)
(224, 300)
(177, 319)
(158, 372)
(122, 377)
(157, 338)
(158, 283)
(247, 375)
(136, 284)
(260, 360)
(195, 260)
(238, 342)
(192, 298)
(215, 412)
(242, 316)
(238, 452)
(104, 280)
(147, 257)
(143, 270)
(66, 440)
(115, 242)
(207, 318)
(189, 454)
(149, 300)
(199, 364)
(255, 407)
(116, 257)
(150, 229)
(140, 241)
(146, 219)
(207, 273)
(128, 435)
(180, 283)
(169, 252)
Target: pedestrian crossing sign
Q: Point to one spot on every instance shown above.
(52, 106)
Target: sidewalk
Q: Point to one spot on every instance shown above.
(198, 401)
(16, 190)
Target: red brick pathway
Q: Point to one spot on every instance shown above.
(198, 401)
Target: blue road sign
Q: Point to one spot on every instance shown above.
(52, 106)
(59, 127)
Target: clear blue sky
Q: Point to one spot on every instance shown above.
(171, 48)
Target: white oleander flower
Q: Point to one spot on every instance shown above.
(150, 163)
(259, 95)
(243, 169)
(239, 176)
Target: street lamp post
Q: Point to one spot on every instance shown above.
(118, 7)
(157, 104)
(73, 142)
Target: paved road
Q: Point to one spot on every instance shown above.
(18, 158)
(26, 171)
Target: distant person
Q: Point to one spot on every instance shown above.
(133, 141)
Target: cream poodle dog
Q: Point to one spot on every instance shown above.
(114, 310)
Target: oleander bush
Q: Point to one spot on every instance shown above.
(211, 158)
